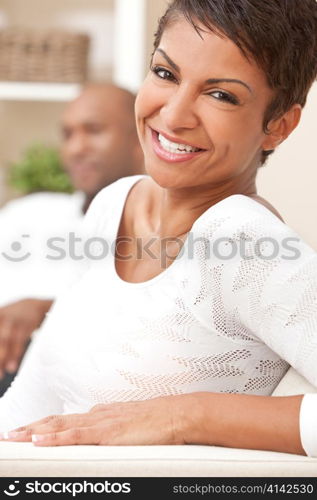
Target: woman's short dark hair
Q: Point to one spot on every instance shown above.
(280, 35)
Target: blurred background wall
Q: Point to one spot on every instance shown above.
(121, 32)
(289, 180)
(23, 122)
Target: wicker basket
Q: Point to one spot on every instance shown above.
(52, 56)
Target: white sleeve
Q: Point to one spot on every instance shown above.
(30, 396)
(308, 424)
(281, 309)
(277, 301)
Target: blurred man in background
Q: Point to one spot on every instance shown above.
(100, 143)
(99, 146)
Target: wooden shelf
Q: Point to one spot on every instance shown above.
(29, 91)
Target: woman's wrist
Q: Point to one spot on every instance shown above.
(242, 421)
(189, 418)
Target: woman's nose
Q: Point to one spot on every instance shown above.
(179, 111)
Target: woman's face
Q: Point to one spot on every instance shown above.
(200, 110)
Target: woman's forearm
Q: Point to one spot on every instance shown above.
(243, 421)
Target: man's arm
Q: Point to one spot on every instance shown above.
(17, 323)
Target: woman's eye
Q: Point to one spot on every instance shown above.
(220, 95)
(164, 74)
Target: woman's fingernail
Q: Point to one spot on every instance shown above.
(11, 435)
(38, 437)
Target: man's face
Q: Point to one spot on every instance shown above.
(97, 142)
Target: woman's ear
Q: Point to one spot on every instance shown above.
(281, 128)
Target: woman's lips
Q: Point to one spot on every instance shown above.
(169, 156)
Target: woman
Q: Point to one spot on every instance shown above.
(148, 348)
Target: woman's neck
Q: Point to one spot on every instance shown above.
(174, 211)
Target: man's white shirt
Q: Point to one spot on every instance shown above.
(35, 234)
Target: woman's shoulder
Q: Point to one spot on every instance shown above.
(113, 194)
(109, 201)
(267, 204)
(240, 216)
(239, 209)
(120, 186)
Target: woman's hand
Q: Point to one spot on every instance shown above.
(156, 421)
(17, 323)
(231, 420)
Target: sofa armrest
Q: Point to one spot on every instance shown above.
(24, 459)
(292, 383)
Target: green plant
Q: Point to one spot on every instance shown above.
(39, 169)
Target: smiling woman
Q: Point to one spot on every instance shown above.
(166, 342)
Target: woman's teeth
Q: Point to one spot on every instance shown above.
(174, 147)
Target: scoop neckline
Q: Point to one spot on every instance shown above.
(179, 259)
(117, 224)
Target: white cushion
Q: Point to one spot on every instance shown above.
(292, 383)
(23, 459)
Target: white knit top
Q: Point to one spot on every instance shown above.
(230, 314)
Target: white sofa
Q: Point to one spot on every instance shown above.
(25, 460)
